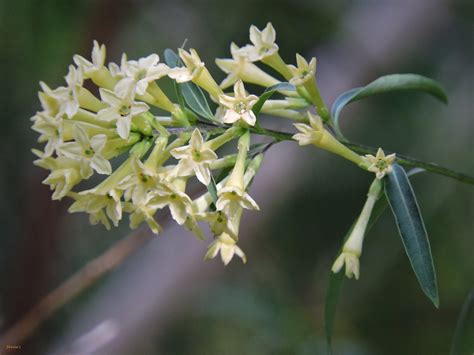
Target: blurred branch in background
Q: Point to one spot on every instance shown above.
(77, 283)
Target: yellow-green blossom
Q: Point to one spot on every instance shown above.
(95, 204)
(352, 248)
(197, 157)
(380, 164)
(239, 67)
(239, 106)
(121, 110)
(88, 151)
(263, 43)
(227, 247)
(303, 72)
(316, 134)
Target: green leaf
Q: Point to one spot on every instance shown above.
(172, 60)
(269, 92)
(212, 188)
(196, 100)
(387, 83)
(191, 93)
(335, 284)
(463, 340)
(412, 230)
(330, 306)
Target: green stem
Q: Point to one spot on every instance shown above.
(401, 159)
(413, 162)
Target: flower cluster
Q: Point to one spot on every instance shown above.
(149, 145)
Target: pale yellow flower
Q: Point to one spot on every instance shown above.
(121, 109)
(352, 248)
(88, 151)
(93, 203)
(239, 67)
(143, 211)
(239, 106)
(309, 134)
(263, 43)
(143, 71)
(51, 131)
(303, 72)
(98, 60)
(193, 66)
(227, 247)
(197, 157)
(380, 164)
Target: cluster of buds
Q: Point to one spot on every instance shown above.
(148, 158)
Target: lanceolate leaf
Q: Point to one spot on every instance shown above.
(463, 340)
(269, 92)
(212, 188)
(412, 230)
(335, 280)
(172, 60)
(330, 306)
(387, 83)
(192, 93)
(196, 100)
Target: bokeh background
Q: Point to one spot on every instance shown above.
(165, 299)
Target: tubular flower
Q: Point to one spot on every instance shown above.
(239, 107)
(143, 211)
(195, 157)
(380, 164)
(303, 72)
(227, 247)
(144, 71)
(193, 66)
(51, 131)
(88, 151)
(233, 195)
(263, 43)
(352, 248)
(98, 60)
(316, 134)
(239, 67)
(95, 204)
(121, 110)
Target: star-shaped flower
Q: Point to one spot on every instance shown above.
(239, 67)
(144, 210)
(65, 173)
(98, 60)
(178, 202)
(380, 164)
(88, 151)
(51, 131)
(67, 97)
(230, 198)
(144, 71)
(227, 247)
(193, 66)
(351, 260)
(263, 43)
(239, 106)
(139, 183)
(310, 134)
(93, 203)
(122, 109)
(197, 157)
(49, 100)
(303, 72)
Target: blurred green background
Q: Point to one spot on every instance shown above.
(274, 304)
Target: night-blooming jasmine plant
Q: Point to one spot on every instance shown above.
(150, 148)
